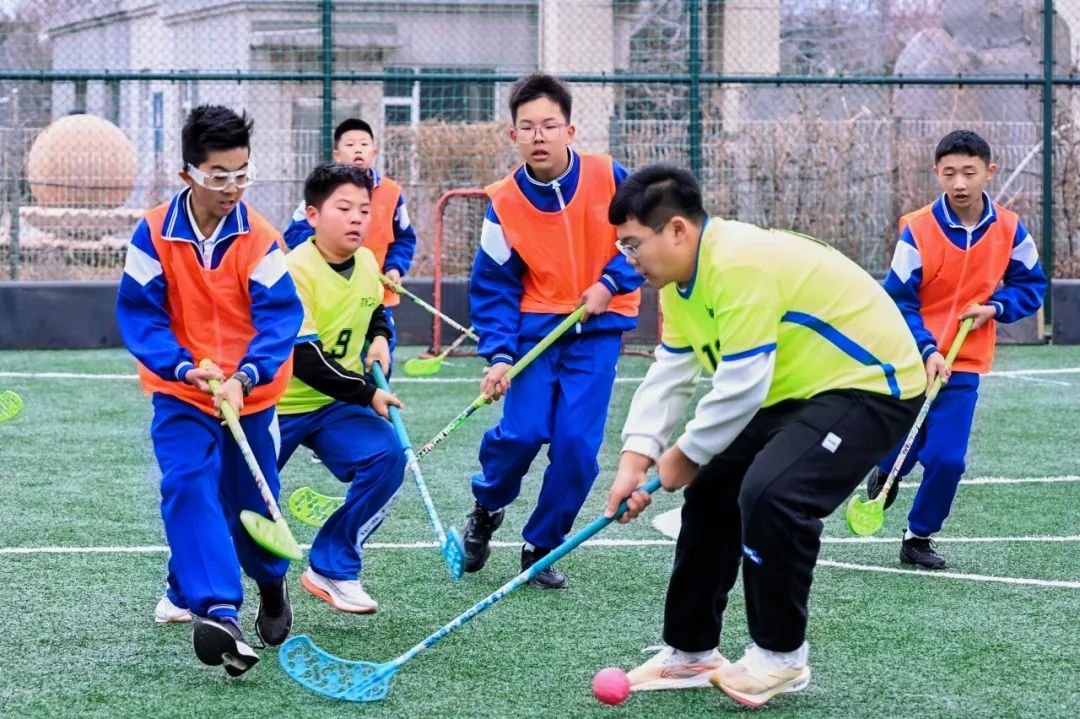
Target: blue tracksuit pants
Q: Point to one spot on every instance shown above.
(560, 399)
(940, 448)
(361, 448)
(205, 484)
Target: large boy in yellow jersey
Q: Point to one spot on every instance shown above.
(813, 374)
(329, 406)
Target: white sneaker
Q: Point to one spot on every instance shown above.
(761, 674)
(348, 595)
(670, 668)
(168, 613)
(315, 458)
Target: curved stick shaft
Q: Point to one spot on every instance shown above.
(965, 327)
(429, 307)
(411, 458)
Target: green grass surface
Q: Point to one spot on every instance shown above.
(77, 636)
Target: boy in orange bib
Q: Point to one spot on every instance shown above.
(205, 277)
(546, 248)
(962, 256)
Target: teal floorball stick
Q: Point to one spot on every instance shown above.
(313, 508)
(11, 405)
(453, 550)
(866, 518)
(359, 681)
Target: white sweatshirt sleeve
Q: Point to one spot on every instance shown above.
(660, 401)
(739, 388)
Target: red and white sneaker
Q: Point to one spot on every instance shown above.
(670, 668)
(348, 595)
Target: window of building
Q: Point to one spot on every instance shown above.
(414, 95)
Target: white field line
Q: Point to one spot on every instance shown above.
(159, 549)
(938, 574)
(1038, 380)
(603, 543)
(1021, 374)
(1006, 480)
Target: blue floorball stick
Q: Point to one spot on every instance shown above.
(358, 681)
(453, 550)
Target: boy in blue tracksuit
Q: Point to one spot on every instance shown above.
(205, 278)
(959, 257)
(547, 248)
(330, 406)
(390, 237)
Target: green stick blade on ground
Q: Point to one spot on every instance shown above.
(866, 518)
(423, 366)
(11, 405)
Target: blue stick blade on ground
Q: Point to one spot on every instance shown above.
(332, 676)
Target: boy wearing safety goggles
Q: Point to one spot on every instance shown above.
(205, 278)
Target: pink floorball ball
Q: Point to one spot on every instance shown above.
(611, 685)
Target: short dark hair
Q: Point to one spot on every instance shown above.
(963, 142)
(213, 127)
(353, 123)
(326, 178)
(538, 85)
(656, 193)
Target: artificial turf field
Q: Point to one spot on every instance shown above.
(81, 567)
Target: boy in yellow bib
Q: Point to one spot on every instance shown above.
(813, 374)
(330, 406)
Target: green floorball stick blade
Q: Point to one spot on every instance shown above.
(312, 508)
(423, 366)
(10, 405)
(866, 518)
(272, 536)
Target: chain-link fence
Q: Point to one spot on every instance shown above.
(815, 115)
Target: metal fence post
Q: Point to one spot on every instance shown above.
(327, 79)
(15, 235)
(695, 87)
(1048, 154)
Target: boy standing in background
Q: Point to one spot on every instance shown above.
(962, 256)
(390, 237)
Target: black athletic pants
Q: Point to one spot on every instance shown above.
(761, 501)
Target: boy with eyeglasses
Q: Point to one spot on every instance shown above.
(812, 377)
(546, 248)
(205, 278)
(391, 237)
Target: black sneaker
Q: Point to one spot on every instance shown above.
(550, 578)
(921, 552)
(876, 481)
(481, 525)
(220, 642)
(275, 613)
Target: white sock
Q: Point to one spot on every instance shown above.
(792, 659)
(908, 534)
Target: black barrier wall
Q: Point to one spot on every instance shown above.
(80, 315)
